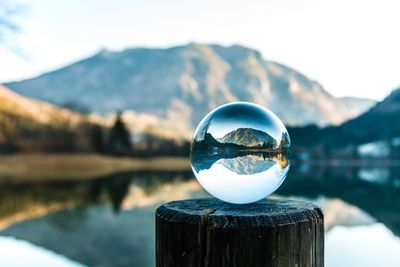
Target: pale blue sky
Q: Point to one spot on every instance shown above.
(350, 47)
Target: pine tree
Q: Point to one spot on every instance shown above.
(119, 141)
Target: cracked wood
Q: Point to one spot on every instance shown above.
(212, 233)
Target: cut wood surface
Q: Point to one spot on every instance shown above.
(212, 233)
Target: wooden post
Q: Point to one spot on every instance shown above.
(212, 233)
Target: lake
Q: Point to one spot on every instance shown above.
(109, 221)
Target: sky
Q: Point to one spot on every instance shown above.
(350, 47)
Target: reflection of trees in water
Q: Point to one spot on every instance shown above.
(281, 159)
(20, 201)
(380, 200)
(117, 190)
(87, 230)
(204, 159)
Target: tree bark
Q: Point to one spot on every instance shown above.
(212, 233)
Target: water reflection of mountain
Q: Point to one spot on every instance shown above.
(21, 201)
(232, 159)
(92, 215)
(86, 217)
(239, 149)
(378, 200)
(246, 165)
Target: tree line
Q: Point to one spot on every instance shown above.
(24, 135)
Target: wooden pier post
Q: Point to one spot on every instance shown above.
(212, 233)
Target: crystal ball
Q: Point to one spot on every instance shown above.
(239, 152)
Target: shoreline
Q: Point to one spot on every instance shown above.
(76, 167)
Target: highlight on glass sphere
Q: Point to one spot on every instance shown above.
(239, 152)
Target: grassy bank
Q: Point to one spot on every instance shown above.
(58, 167)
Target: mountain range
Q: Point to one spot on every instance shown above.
(381, 122)
(247, 137)
(183, 83)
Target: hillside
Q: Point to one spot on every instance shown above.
(248, 137)
(29, 125)
(39, 112)
(381, 122)
(184, 83)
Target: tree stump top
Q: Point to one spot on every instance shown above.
(212, 233)
(264, 213)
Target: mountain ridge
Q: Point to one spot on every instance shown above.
(186, 82)
(247, 137)
(380, 122)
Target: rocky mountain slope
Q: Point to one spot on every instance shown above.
(183, 83)
(248, 137)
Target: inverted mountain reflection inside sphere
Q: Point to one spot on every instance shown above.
(240, 152)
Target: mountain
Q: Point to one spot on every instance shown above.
(355, 104)
(381, 122)
(247, 137)
(390, 105)
(184, 83)
(141, 124)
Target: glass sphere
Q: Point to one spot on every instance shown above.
(239, 152)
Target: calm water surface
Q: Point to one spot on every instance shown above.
(109, 221)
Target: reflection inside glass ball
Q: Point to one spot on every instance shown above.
(239, 152)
